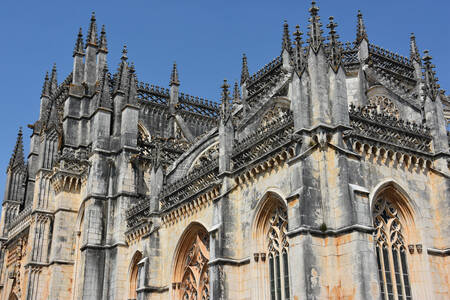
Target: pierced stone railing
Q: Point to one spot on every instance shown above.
(367, 123)
(20, 217)
(264, 140)
(138, 213)
(350, 57)
(196, 182)
(198, 105)
(277, 61)
(392, 62)
(152, 93)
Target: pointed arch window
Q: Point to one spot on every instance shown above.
(278, 248)
(391, 251)
(195, 280)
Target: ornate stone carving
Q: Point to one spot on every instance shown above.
(384, 105)
(195, 282)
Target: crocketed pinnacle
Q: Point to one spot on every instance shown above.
(361, 33)
(315, 28)
(174, 75)
(286, 42)
(121, 81)
(413, 50)
(17, 157)
(132, 90)
(236, 94)
(79, 48)
(92, 33)
(244, 72)
(46, 86)
(124, 53)
(53, 80)
(335, 53)
(104, 94)
(103, 46)
(225, 106)
(299, 60)
(431, 87)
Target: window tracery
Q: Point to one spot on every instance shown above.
(384, 105)
(195, 280)
(278, 248)
(391, 252)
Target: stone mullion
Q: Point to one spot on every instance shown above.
(400, 266)
(383, 270)
(391, 259)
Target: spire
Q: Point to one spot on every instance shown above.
(236, 94)
(17, 157)
(174, 76)
(132, 90)
(315, 28)
(53, 80)
(46, 86)
(286, 43)
(244, 73)
(225, 106)
(361, 33)
(431, 87)
(413, 50)
(122, 74)
(78, 50)
(103, 46)
(92, 33)
(104, 99)
(335, 54)
(299, 60)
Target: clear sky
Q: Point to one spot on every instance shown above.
(206, 38)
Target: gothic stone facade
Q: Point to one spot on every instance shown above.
(324, 175)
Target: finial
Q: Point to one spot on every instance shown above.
(124, 53)
(17, 157)
(413, 50)
(225, 111)
(334, 46)
(103, 46)
(174, 75)
(92, 33)
(286, 42)
(244, 72)
(299, 59)
(361, 33)
(236, 94)
(298, 36)
(431, 87)
(46, 86)
(53, 80)
(315, 28)
(132, 68)
(78, 50)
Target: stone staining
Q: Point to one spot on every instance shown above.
(195, 282)
(382, 104)
(323, 175)
(391, 251)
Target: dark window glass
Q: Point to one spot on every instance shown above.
(272, 278)
(286, 275)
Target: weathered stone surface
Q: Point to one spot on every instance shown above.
(288, 191)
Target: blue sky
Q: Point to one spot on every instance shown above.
(205, 38)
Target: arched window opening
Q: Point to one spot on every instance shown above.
(134, 276)
(278, 248)
(191, 271)
(391, 251)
